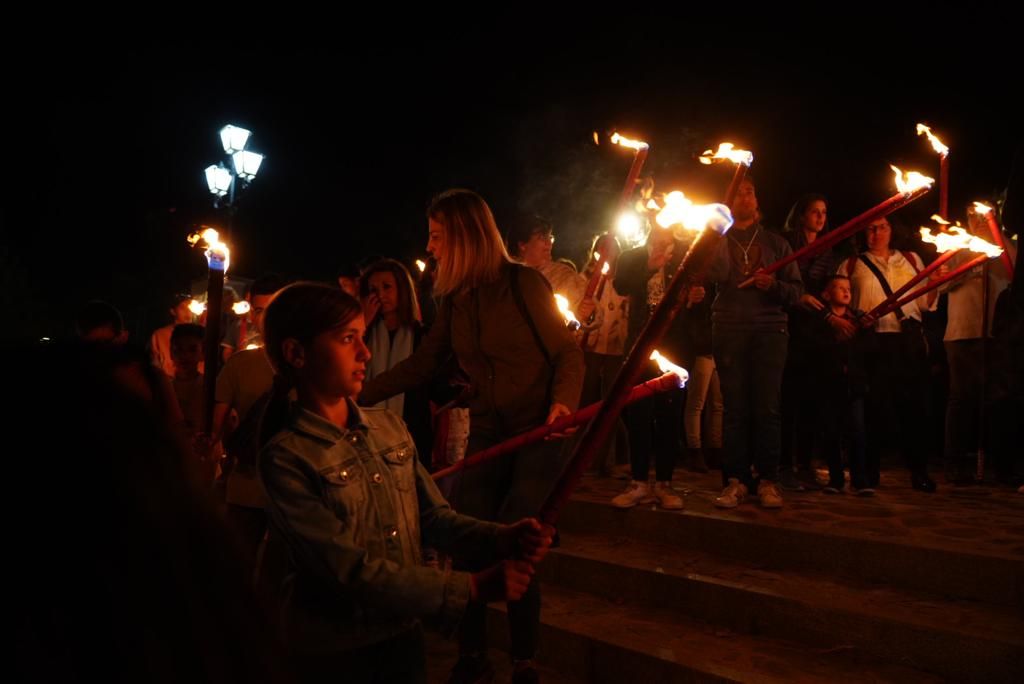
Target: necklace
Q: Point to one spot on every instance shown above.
(746, 250)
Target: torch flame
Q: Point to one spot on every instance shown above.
(936, 143)
(982, 208)
(252, 346)
(941, 221)
(726, 151)
(215, 249)
(653, 205)
(955, 237)
(196, 307)
(604, 269)
(422, 265)
(677, 205)
(667, 366)
(626, 142)
(681, 211)
(563, 306)
(631, 229)
(911, 181)
(240, 308)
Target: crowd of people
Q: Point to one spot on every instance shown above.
(337, 401)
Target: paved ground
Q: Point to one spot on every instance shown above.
(985, 519)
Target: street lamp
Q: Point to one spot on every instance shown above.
(219, 179)
(234, 138)
(247, 164)
(222, 180)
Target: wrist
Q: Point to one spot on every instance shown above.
(505, 541)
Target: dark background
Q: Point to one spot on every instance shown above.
(107, 146)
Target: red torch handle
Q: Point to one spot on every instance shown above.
(734, 185)
(944, 186)
(214, 303)
(634, 173)
(924, 273)
(997, 237)
(878, 312)
(849, 228)
(654, 386)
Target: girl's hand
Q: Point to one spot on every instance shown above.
(527, 539)
(506, 581)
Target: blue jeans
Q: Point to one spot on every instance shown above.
(750, 364)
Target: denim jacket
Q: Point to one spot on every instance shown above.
(353, 506)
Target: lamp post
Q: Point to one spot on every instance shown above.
(223, 180)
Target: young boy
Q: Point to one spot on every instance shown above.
(836, 346)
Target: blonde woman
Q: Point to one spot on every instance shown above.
(500, 321)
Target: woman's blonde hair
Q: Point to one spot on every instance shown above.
(473, 249)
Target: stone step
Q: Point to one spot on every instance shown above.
(858, 548)
(600, 640)
(959, 639)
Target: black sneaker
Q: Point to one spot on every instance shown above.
(472, 669)
(790, 482)
(833, 488)
(525, 675)
(922, 483)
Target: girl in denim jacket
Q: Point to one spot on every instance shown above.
(353, 505)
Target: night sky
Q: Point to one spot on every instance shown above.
(109, 146)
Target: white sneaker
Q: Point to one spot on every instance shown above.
(769, 494)
(734, 493)
(636, 493)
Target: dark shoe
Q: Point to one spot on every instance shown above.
(525, 675)
(472, 669)
(922, 483)
(695, 460)
(863, 491)
(810, 480)
(833, 488)
(790, 482)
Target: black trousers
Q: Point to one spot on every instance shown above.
(896, 405)
(506, 490)
(397, 660)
